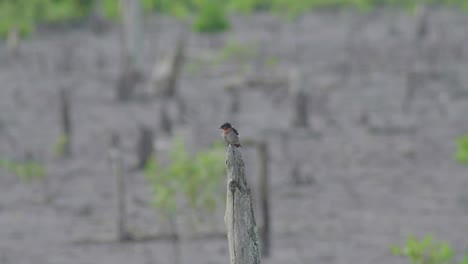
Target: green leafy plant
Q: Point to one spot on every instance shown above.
(427, 251)
(249, 6)
(461, 155)
(197, 179)
(24, 15)
(211, 18)
(25, 171)
(17, 15)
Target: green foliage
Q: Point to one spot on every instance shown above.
(211, 18)
(427, 251)
(291, 9)
(204, 188)
(25, 14)
(197, 179)
(249, 6)
(15, 16)
(111, 9)
(461, 155)
(177, 8)
(210, 14)
(25, 171)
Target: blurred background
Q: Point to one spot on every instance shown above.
(351, 115)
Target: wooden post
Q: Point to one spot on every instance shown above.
(242, 231)
(116, 160)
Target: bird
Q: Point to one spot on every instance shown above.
(230, 135)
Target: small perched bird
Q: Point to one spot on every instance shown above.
(230, 135)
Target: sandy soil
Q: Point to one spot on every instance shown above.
(366, 190)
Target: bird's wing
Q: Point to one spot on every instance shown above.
(235, 131)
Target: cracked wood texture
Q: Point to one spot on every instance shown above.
(239, 218)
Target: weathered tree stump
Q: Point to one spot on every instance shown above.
(239, 218)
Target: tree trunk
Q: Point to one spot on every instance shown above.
(239, 218)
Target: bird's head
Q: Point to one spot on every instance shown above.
(225, 126)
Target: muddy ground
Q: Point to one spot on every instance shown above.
(364, 184)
